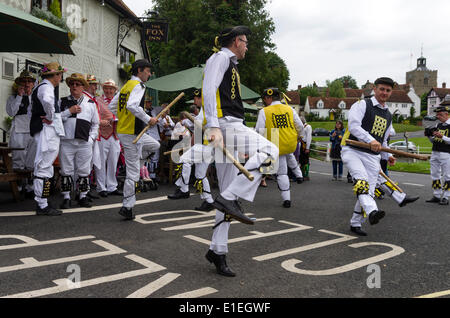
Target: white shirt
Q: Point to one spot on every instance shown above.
(134, 102)
(261, 121)
(215, 69)
(20, 123)
(307, 135)
(355, 117)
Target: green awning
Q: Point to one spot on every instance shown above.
(22, 32)
(190, 78)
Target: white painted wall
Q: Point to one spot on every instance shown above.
(94, 47)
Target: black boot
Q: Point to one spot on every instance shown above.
(433, 200)
(232, 208)
(84, 202)
(220, 263)
(299, 180)
(126, 213)
(444, 201)
(67, 204)
(206, 207)
(357, 230)
(407, 200)
(48, 211)
(376, 216)
(287, 204)
(179, 195)
(103, 194)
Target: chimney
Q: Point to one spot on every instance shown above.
(444, 85)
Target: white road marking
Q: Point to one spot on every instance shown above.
(32, 242)
(149, 289)
(343, 238)
(290, 265)
(64, 284)
(414, 184)
(196, 293)
(436, 295)
(94, 208)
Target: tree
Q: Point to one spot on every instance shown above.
(309, 90)
(194, 24)
(335, 89)
(424, 102)
(348, 82)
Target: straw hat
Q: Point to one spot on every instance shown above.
(24, 75)
(110, 83)
(77, 77)
(52, 68)
(91, 79)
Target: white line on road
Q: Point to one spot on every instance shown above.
(94, 208)
(414, 184)
(435, 295)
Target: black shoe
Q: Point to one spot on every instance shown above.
(103, 194)
(67, 204)
(233, 209)
(407, 200)
(299, 180)
(116, 192)
(433, 200)
(349, 180)
(126, 213)
(91, 194)
(376, 216)
(220, 263)
(48, 211)
(179, 195)
(357, 230)
(84, 202)
(206, 207)
(444, 201)
(287, 204)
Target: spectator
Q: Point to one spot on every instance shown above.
(336, 136)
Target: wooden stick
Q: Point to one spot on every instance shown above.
(236, 163)
(158, 117)
(392, 182)
(175, 150)
(392, 151)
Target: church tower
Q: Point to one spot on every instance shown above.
(422, 79)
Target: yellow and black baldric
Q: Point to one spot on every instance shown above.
(438, 143)
(228, 95)
(376, 122)
(127, 122)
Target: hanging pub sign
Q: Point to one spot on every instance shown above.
(156, 31)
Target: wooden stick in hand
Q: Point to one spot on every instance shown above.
(158, 117)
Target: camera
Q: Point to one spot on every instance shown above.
(429, 131)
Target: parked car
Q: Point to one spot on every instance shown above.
(401, 145)
(320, 132)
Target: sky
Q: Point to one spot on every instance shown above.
(322, 40)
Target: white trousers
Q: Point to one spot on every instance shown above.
(75, 157)
(440, 170)
(233, 185)
(362, 166)
(201, 156)
(294, 165)
(283, 178)
(397, 196)
(109, 156)
(47, 148)
(135, 155)
(20, 140)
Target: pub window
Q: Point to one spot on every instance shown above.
(44, 4)
(126, 56)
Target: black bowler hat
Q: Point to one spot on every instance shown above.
(231, 33)
(141, 64)
(272, 92)
(442, 109)
(385, 81)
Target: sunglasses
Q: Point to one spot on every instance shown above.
(75, 84)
